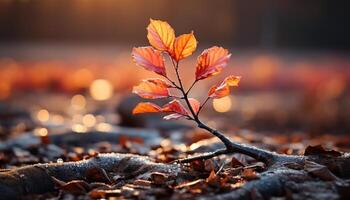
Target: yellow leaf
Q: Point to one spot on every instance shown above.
(160, 35)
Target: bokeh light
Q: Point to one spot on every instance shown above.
(223, 104)
(41, 132)
(79, 128)
(89, 120)
(104, 127)
(101, 89)
(43, 115)
(78, 102)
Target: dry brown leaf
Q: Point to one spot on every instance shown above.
(77, 187)
(318, 150)
(250, 174)
(159, 178)
(319, 171)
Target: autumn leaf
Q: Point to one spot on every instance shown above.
(148, 89)
(173, 116)
(194, 104)
(146, 107)
(184, 46)
(176, 108)
(159, 82)
(223, 89)
(211, 62)
(149, 59)
(160, 35)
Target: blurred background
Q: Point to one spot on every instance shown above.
(69, 60)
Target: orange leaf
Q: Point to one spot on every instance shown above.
(184, 46)
(176, 107)
(211, 62)
(224, 88)
(149, 59)
(232, 80)
(149, 90)
(146, 107)
(159, 82)
(194, 104)
(160, 35)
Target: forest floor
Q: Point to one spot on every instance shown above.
(119, 162)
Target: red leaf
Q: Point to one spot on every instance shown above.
(149, 59)
(211, 62)
(150, 89)
(146, 107)
(176, 107)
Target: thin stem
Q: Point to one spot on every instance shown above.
(203, 104)
(181, 88)
(189, 89)
(172, 82)
(173, 96)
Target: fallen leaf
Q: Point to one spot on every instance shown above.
(97, 194)
(213, 179)
(96, 174)
(236, 163)
(319, 171)
(318, 150)
(209, 165)
(76, 187)
(159, 178)
(250, 174)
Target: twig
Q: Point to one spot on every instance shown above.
(189, 89)
(203, 156)
(221, 168)
(203, 104)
